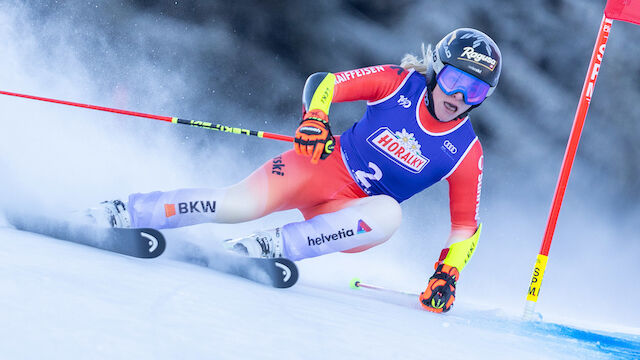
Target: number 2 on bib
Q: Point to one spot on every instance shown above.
(364, 177)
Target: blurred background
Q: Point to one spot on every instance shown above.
(244, 63)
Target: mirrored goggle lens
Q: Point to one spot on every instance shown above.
(453, 80)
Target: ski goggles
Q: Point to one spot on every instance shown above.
(453, 80)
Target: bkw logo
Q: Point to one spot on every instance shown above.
(189, 207)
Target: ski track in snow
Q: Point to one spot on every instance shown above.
(62, 300)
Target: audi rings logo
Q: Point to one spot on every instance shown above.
(449, 146)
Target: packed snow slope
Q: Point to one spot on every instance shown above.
(66, 301)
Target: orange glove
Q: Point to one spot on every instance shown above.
(441, 290)
(313, 136)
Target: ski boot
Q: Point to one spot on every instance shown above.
(441, 290)
(263, 244)
(111, 213)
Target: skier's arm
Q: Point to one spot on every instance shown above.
(370, 83)
(464, 196)
(313, 137)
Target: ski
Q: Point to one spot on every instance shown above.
(278, 272)
(150, 243)
(138, 242)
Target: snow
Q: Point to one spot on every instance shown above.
(62, 300)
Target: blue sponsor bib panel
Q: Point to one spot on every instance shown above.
(389, 152)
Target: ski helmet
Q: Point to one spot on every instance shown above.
(471, 51)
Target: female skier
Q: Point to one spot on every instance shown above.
(415, 132)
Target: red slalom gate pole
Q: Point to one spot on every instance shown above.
(567, 163)
(174, 120)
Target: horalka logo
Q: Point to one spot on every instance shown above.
(341, 234)
(401, 147)
(189, 207)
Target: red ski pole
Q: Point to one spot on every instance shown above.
(174, 120)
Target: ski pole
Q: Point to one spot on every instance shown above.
(174, 120)
(356, 284)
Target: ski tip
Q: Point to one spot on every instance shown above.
(355, 283)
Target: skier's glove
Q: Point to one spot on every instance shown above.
(441, 290)
(313, 136)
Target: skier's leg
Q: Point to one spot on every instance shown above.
(359, 225)
(243, 201)
(340, 225)
(285, 182)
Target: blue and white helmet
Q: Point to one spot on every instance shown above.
(471, 51)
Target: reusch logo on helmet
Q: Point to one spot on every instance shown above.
(482, 41)
(468, 53)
